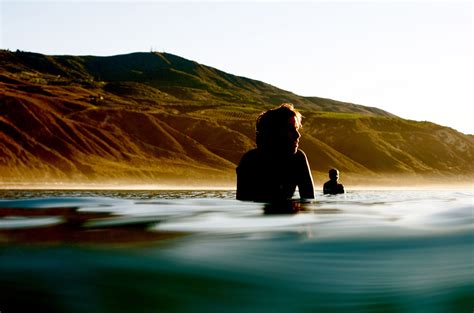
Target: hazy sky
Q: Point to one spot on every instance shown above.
(411, 58)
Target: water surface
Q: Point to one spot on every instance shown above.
(203, 251)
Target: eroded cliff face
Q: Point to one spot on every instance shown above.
(130, 118)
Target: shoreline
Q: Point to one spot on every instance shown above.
(351, 181)
(104, 187)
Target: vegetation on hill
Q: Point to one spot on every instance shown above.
(158, 118)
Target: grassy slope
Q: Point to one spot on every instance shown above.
(160, 118)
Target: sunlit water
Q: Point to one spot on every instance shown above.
(203, 251)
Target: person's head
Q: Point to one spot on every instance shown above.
(333, 174)
(277, 129)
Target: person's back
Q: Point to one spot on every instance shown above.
(332, 186)
(273, 171)
(260, 177)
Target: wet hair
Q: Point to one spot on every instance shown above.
(273, 120)
(333, 172)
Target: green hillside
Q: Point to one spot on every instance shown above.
(161, 119)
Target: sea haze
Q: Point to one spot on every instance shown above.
(202, 251)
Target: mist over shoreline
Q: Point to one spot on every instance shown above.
(351, 184)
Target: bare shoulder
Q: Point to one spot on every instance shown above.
(249, 158)
(300, 154)
(250, 155)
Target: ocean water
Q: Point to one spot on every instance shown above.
(203, 251)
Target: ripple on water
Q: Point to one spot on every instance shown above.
(205, 252)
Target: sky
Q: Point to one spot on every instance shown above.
(411, 58)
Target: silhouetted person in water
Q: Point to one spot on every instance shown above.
(332, 186)
(271, 172)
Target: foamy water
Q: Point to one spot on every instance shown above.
(203, 251)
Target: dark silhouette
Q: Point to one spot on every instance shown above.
(271, 172)
(332, 186)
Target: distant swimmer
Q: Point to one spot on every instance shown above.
(272, 171)
(332, 186)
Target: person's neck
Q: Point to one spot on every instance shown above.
(275, 153)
